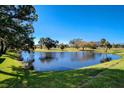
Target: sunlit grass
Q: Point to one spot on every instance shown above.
(59, 50)
(7, 64)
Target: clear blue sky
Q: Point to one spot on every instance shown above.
(91, 23)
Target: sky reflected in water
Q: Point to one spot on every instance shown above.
(59, 61)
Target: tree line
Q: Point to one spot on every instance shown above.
(77, 43)
(16, 26)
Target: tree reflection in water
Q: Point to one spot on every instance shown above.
(105, 58)
(47, 57)
(62, 54)
(82, 56)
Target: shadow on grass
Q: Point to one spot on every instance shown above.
(89, 78)
(2, 60)
(11, 74)
(13, 56)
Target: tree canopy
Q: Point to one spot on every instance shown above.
(16, 26)
(76, 43)
(104, 43)
(48, 42)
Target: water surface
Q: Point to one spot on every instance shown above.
(60, 61)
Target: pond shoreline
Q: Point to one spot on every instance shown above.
(59, 50)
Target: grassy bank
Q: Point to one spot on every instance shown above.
(109, 74)
(57, 50)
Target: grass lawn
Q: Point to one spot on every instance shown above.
(109, 74)
(59, 50)
(56, 50)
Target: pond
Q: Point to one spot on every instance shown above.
(60, 61)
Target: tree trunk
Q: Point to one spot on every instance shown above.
(0, 53)
(106, 49)
(2, 47)
(48, 48)
(83, 48)
(4, 51)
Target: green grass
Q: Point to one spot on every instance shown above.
(109, 74)
(6, 63)
(59, 50)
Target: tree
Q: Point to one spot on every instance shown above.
(75, 43)
(104, 43)
(48, 42)
(108, 45)
(118, 45)
(66, 45)
(92, 45)
(62, 46)
(16, 26)
(83, 44)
